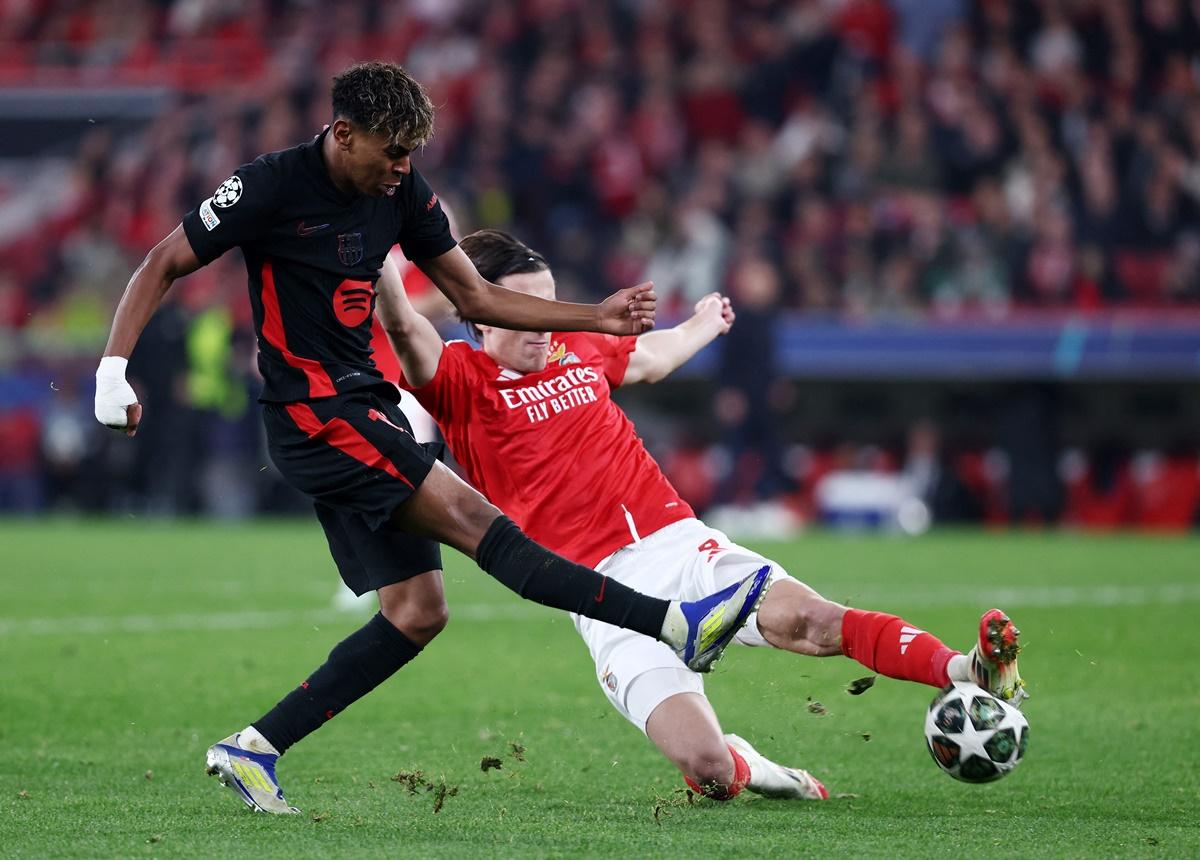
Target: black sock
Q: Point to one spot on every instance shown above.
(537, 574)
(356, 666)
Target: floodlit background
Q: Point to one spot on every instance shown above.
(963, 239)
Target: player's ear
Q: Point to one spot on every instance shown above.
(342, 131)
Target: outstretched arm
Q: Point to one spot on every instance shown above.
(415, 340)
(173, 257)
(626, 312)
(661, 352)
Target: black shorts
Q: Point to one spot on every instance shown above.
(355, 455)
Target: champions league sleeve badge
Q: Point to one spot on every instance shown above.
(229, 193)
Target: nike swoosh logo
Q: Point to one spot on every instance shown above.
(308, 231)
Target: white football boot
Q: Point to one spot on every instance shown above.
(775, 780)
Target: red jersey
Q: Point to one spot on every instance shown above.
(551, 449)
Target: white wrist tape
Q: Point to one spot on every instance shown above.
(112, 367)
(113, 393)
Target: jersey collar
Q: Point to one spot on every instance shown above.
(314, 158)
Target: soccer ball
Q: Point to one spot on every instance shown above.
(972, 735)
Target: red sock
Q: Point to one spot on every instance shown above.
(741, 776)
(893, 647)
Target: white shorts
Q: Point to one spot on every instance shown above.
(686, 560)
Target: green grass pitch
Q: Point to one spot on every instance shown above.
(126, 648)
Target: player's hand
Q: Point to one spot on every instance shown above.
(629, 311)
(718, 308)
(116, 402)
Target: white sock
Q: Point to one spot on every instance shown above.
(766, 777)
(675, 627)
(959, 668)
(251, 739)
(761, 779)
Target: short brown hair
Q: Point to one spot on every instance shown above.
(383, 98)
(496, 255)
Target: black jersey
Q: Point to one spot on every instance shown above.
(313, 254)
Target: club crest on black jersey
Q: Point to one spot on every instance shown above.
(313, 254)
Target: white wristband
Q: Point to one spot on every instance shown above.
(113, 393)
(112, 368)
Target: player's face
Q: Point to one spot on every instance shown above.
(522, 351)
(370, 163)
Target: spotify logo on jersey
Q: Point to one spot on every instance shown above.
(352, 302)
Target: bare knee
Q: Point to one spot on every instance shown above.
(685, 729)
(475, 515)
(708, 765)
(420, 624)
(417, 609)
(447, 509)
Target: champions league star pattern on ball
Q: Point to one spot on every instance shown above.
(531, 420)
(974, 736)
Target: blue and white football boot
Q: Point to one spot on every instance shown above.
(707, 625)
(249, 773)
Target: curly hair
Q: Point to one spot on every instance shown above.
(383, 98)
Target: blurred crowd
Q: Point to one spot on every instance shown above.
(856, 158)
(1017, 479)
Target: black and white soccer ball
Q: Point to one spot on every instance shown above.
(972, 735)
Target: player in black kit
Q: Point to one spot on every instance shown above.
(315, 223)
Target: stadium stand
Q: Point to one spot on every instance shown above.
(912, 189)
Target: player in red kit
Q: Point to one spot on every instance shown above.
(531, 420)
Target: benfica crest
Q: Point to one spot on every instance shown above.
(558, 353)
